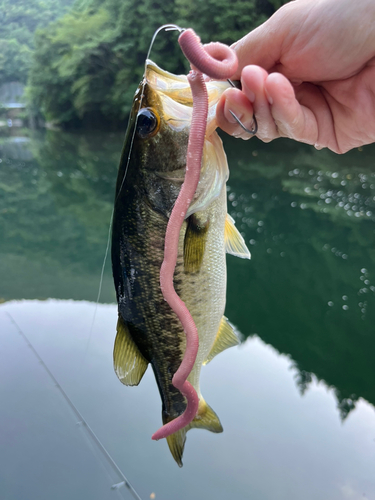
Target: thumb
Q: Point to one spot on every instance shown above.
(263, 45)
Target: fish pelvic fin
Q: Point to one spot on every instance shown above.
(226, 337)
(195, 242)
(206, 418)
(129, 364)
(234, 242)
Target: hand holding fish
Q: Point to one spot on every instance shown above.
(308, 73)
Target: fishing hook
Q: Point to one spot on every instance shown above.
(171, 27)
(254, 124)
(175, 27)
(166, 27)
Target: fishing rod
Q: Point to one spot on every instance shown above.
(81, 421)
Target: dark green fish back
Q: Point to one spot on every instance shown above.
(142, 207)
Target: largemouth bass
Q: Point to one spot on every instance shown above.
(151, 172)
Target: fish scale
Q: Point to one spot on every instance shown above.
(150, 176)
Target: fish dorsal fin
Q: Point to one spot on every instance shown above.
(206, 418)
(195, 243)
(234, 242)
(128, 362)
(224, 339)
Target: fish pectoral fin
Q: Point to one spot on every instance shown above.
(234, 242)
(195, 242)
(206, 418)
(225, 338)
(128, 362)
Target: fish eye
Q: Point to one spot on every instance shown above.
(147, 123)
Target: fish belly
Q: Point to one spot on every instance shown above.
(204, 291)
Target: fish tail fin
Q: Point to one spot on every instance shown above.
(206, 418)
(176, 443)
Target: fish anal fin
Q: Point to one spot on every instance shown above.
(129, 364)
(206, 418)
(195, 242)
(234, 242)
(225, 338)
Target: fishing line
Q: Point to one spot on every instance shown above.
(99, 291)
(103, 266)
(166, 27)
(81, 421)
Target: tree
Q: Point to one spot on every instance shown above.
(87, 64)
(18, 21)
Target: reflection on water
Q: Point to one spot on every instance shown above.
(54, 215)
(275, 444)
(310, 287)
(308, 217)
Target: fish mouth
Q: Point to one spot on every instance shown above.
(177, 86)
(175, 105)
(174, 86)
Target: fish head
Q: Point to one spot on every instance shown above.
(155, 149)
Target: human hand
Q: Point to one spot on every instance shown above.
(308, 73)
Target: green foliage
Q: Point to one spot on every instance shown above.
(14, 60)
(18, 21)
(219, 20)
(88, 63)
(278, 3)
(70, 65)
(96, 57)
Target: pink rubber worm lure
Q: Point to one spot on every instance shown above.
(216, 61)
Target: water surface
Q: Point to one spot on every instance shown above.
(296, 400)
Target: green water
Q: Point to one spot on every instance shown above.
(307, 216)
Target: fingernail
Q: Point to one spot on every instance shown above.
(249, 93)
(295, 83)
(228, 115)
(269, 98)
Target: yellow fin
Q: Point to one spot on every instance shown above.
(234, 242)
(176, 443)
(194, 243)
(128, 362)
(206, 418)
(224, 339)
